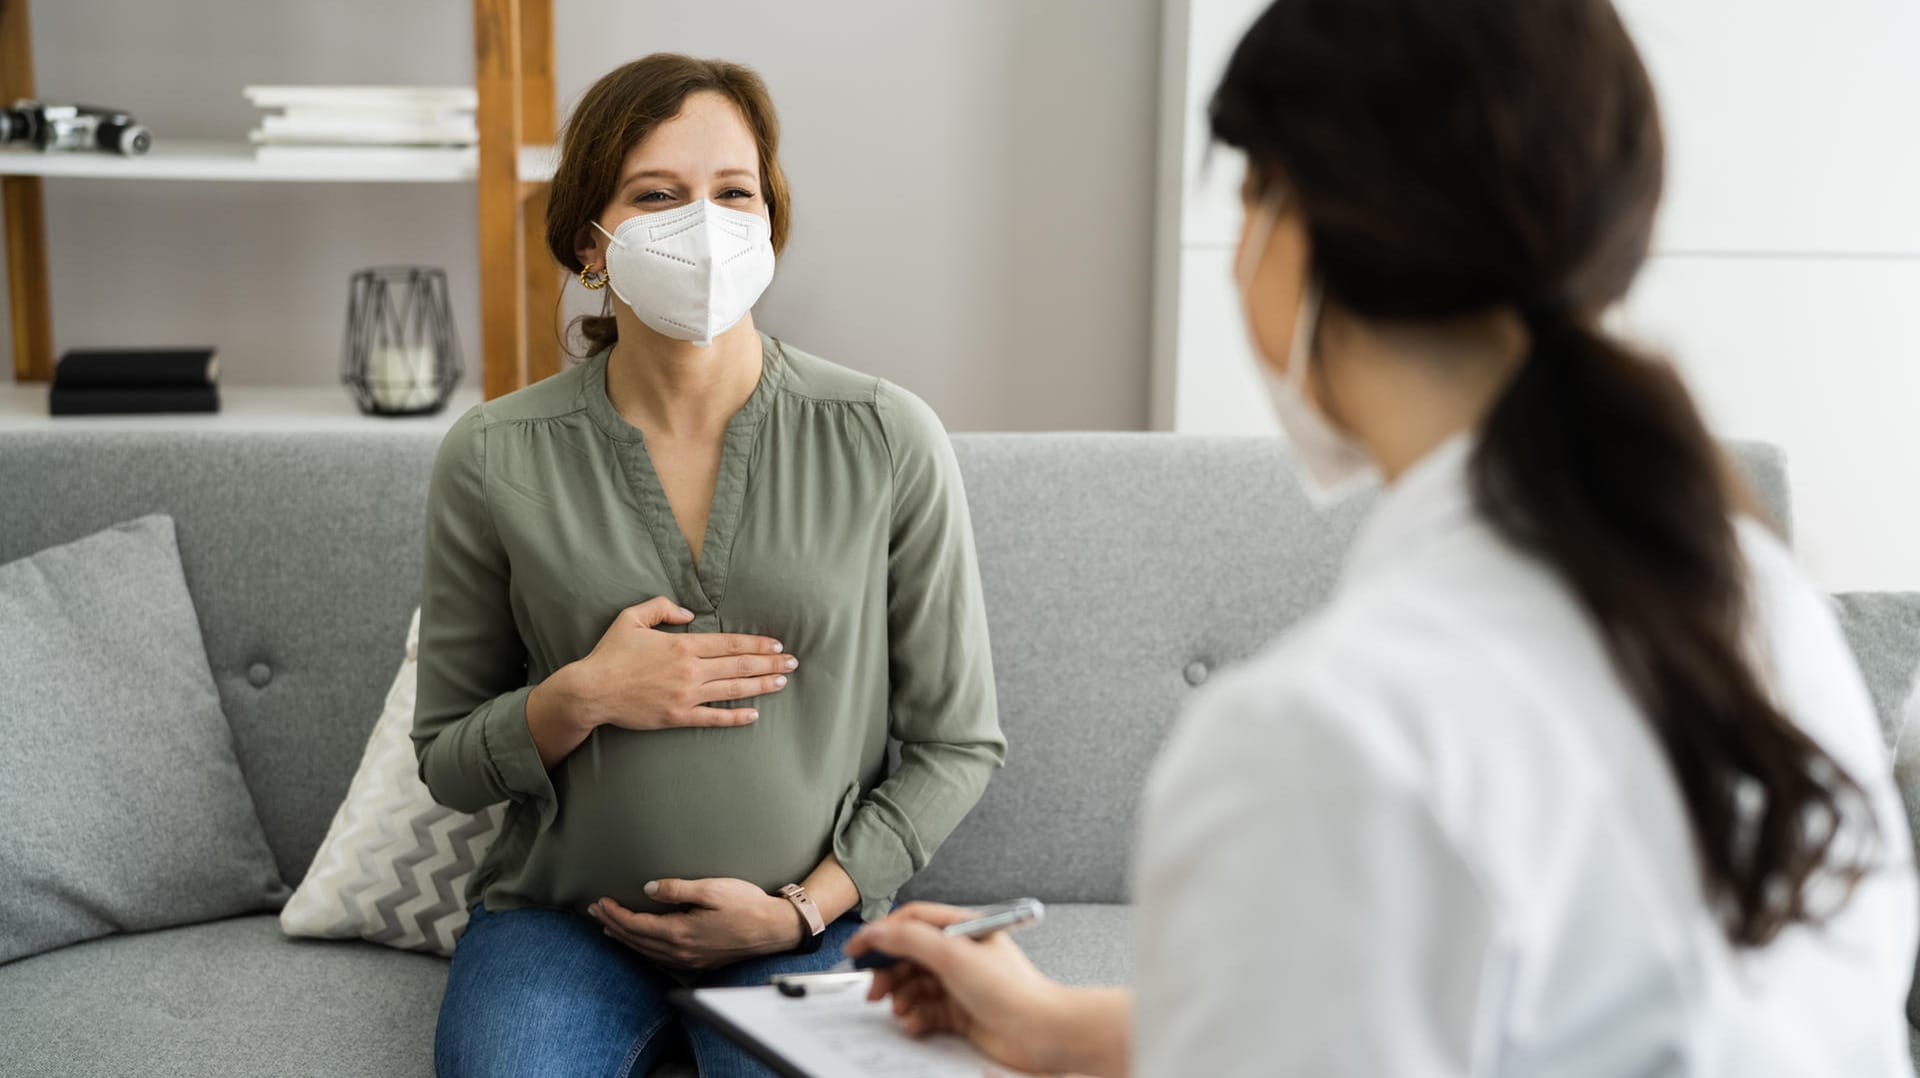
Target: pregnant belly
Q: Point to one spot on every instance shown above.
(690, 804)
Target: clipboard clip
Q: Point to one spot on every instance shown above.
(797, 985)
(1005, 917)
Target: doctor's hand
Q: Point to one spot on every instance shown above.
(985, 990)
(640, 678)
(725, 921)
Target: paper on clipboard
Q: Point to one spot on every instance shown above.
(838, 1034)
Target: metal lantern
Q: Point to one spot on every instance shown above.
(402, 357)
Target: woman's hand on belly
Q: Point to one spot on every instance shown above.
(640, 678)
(726, 921)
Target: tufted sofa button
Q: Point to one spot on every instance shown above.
(1196, 672)
(258, 675)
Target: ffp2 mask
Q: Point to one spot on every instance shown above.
(1331, 465)
(693, 272)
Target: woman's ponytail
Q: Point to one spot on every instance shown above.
(1596, 461)
(597, 331)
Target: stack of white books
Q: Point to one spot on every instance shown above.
(362, 121)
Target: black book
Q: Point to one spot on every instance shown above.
(98, 400)
(135, 367)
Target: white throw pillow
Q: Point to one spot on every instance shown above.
(393, 868)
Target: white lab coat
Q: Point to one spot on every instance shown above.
(1427, 833)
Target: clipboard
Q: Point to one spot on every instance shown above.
(690, 1004)
(830, 1034)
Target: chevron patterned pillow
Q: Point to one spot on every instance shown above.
(393, 868)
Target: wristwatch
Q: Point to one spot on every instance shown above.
(809, 916)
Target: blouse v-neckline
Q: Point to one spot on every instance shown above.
(698, 585)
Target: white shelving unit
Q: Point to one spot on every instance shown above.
(236, 161)
(242, 408)
(511, 168)
(24, 405)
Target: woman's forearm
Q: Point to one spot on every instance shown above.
(554, 717)
(833, 893)
(831, 889)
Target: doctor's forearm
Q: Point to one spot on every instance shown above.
(1094, 1028)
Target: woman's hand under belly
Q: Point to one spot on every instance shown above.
(722, 921)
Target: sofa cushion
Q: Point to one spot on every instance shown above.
(1081, 943)
(225, 997)
(1906, 772)
(123, 802)
(1883, 628)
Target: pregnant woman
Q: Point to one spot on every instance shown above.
(675, 600)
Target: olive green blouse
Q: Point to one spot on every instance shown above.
(838, 527)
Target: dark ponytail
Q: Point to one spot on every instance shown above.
(1596, 460)
(598, 332)
(1462, 157)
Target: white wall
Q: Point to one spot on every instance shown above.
(1786, 273)
(973, 183)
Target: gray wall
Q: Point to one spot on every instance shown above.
(973, 184)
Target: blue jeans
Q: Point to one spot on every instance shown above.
(539, 991)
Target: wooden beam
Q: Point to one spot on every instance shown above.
(544, 281)
(538, 125)
(537, 95)
(503, 307)
(24, 212)
(28, 295)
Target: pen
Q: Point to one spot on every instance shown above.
(1006, 917)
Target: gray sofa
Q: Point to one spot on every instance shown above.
(1120, 571)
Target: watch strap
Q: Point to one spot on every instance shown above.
(809, 915)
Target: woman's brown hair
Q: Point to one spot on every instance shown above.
(622, 109)
(1460, 157)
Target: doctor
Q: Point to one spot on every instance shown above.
(1575, 775)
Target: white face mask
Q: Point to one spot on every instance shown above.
(1331, 465)
(691, 273)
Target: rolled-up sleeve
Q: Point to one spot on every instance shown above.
(941, 693)
(470, 712)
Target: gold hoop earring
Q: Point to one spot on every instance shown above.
(593, 280)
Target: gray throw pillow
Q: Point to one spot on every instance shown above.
(121, 803)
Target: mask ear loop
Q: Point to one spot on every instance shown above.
(1306, 324)
(606, 274)
(611, 238)
(1269, 215)
(1306, 321)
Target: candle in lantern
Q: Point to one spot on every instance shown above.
(401, 376)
